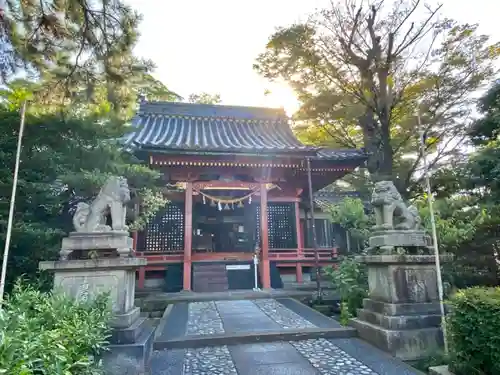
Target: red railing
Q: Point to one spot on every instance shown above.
(325, 254)
(307, 255)
(156, 262)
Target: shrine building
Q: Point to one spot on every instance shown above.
(236, 180)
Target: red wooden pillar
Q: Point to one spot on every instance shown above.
(188, 236)
(264, 235)
(300, 244)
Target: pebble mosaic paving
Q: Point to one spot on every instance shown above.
(203, 319)
(306, 357)
(282, 315)
(330, 359)
(320, 357)
(209, 361)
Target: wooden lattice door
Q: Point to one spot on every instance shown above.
(165, 232)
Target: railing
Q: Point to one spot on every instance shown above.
(325, 254)
(160, 259)
(307, 255)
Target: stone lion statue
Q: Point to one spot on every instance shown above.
(390, 210)
(111, 200)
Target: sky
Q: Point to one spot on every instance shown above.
(211, 45)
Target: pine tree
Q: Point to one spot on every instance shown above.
(82, 48)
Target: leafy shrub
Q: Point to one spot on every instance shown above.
(44, 333)
(350, 214)
(345, 314)
(351, 281)
(473, 326)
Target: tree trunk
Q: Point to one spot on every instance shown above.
(377, 145)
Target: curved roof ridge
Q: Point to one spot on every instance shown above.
(211, 110)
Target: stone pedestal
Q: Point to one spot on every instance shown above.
(389, 239)
(402, 314)
(118, 241)
(132, 336)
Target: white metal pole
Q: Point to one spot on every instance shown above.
(12, 203)
(255, 280)
(434, 236)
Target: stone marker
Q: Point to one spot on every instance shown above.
(83, 272)
(402, 314)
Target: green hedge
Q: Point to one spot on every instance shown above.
(42, 333)
(474, 332)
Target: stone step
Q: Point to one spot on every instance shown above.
(407, 345)
(400, 322)
(132, 358)
(235, 338)
(131, 334)
(211, 288)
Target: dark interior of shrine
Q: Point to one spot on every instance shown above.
(225, 224)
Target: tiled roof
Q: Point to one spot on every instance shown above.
(340, 154)
(324, 198)
(169, 126)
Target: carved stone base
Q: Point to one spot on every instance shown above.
(120, 242)
(83, 279)
(402, 315)
(389, 239)
(132, 337)
(405, 344)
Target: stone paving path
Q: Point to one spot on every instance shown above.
(307, 357)
(219, 317)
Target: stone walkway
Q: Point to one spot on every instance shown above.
(320, 356)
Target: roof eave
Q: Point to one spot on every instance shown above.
(264, 153)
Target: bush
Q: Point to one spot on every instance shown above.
(351, 282)
(473, 331)
(44, 333)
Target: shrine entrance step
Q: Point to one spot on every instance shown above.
(210, 277)
(265, 337)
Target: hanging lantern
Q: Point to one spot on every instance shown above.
(240, 204)
(226, 207)
(204, 200)
(250, 200)
(212, 203)
(219, 206)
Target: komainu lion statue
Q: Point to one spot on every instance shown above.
(111, 200)
(390, 210)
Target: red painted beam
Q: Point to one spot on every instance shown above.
(188, 236)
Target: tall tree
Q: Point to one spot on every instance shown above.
(362, 73)
(82, 88)
(65, 160)
(483, 167)
(70, 43)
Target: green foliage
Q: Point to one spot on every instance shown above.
(45, 333)
(473, 325)
(456, 218)
(345, 313)
(351, 214)
(360, 80)
(487, 128)
(73, 43)
(466, 228)
(350, 279)
(64, 160)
